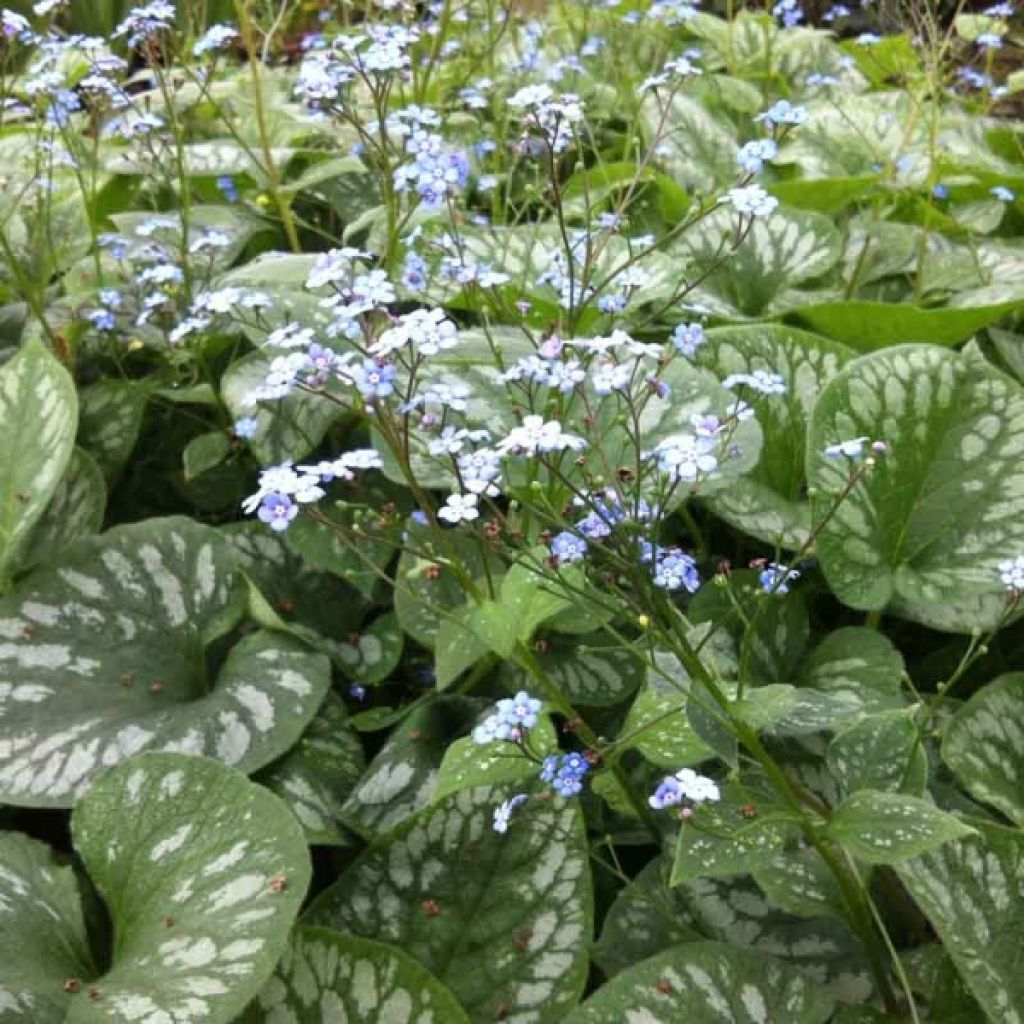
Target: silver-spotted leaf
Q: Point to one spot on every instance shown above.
(886, 828)
(110, 416)
(881, 751)
(75, 511)
(203, 874)
(500, 919)
(317, 775)
(105, 655)
(43, 939)
(984, 745)
(924, 531)
(402, 777)
(38, 420)
(706, 981)
(972, 892)
(770, 501)
(326, 976)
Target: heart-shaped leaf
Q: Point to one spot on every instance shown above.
(317, 775)
(108, 655)
(924, 531)
(75, 511)
(885, 828)
(43, 941)
(202, 873)
(38, 419)
(982, 744)
(503, 920)
(706, 981)
(760, 274)
(770, 501)
(881, 751)
(327, 976)
(400, 780)
(972, 892)
(109, 420)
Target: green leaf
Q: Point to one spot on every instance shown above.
(75, 511)
(923, 533)
(374, 652)
(880, 752)
(204, 452)
(758, 279)
(110, 419)
(590, 669)
(770, 501)
(328, 976)
(823, 195)
(740, 833)
(43, 939)
(457, 895)
(705, 981)
(401, 778)
(203, 874)
(868, 326)
(982, 744)
(799, 882)
(646, 917)
(972, 892)
(38, 415)
(289, 428)
(467, 763)
(700, 148)
(886, 828)
(317, 775)
(107, 656)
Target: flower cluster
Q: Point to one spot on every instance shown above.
(565, 773)
(1011, 572)
(685, 785)
(512, 719)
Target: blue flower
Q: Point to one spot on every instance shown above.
(940, 191)
(675, 570)
(568, 548)
(246, 428)
(687, 338)
(226, 184)
(277, 511)
(1003, 194)
(775, 579)
(503, 812)
(549, 768)
(375, 380)
(357, 691)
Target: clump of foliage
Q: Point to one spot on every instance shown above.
(511, 512)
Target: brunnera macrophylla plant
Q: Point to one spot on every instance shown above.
(510, 512)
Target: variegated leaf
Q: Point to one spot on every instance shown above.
(317, 775)
(43, 940)
(75, 510)
(972, 892)
(105, 655)
(984, 745)
(923, 533)
(886, 828)
(770, 501)
(38, 417)
(706, 981)
(110, 418)
(328, 976)
(757, 277)
(503, 920)
(203, 874)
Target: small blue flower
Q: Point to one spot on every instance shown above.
(549, 768)
(940, 191)
(227, 187)
(568, 548)
(277, 511)
(1003, 194)
(246, 428)
(357, 691)
(776, 578)
(503, 812)
(574, 764)
(687, 338)
(375, 380)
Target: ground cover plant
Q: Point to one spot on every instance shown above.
(511, 512)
